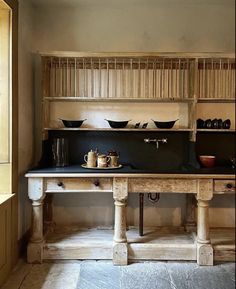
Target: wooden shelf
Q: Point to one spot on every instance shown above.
(5, 197)
(156, 244)
(223, 242)
(171, 78)
(176, 55)
(107, 99)
(216, 100)
(160, 243)
(122, 129)
(215, 130)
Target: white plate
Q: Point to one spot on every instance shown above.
(97, 168)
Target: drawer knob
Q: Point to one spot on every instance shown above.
(229, 186)
(60, 184)
(96, 183)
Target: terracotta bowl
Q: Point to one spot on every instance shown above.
(207, 161)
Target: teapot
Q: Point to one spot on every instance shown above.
(91, 158)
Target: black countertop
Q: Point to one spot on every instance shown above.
(128, 169)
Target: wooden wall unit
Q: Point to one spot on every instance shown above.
(137, 77)
(132, 77)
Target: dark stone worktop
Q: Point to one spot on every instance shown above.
(128, 169)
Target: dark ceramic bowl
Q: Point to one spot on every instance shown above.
(226, 124)
(208, 123)
(200, 123)
(72, 123)
(164, 124)
(207, 161)
(117, 124)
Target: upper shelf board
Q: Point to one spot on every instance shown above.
(139, 54)
(168, 100)
(120, 129)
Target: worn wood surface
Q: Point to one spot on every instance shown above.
(166, 244)
(36, 192)
(158, 243)
(78, 185)
(132, 175)
(120, 188)
(137, 54)
(162, 252)
(203, 222)
(120, 254)
(205, 189)
(204, 254)
(223, 243)
(120, 195)
(190, 222)
(224, 186)
(153, 185)
(102, 251)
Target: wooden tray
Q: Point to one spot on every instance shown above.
(97, 168)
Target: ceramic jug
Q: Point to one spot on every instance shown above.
(113, 159)
(91, 159)
(103, 161)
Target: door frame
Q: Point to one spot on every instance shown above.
(13, 4)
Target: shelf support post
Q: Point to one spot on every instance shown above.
(120, 195)
(194, 92)
(36, 195)
(204, 247)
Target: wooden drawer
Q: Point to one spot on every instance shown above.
(153, 185)
(58, 185)
(224, 186)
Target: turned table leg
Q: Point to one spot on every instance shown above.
(190, 224)
(120, 194)
(48, 213)
(35, 246)
(204, 247)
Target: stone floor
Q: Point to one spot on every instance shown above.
(103, 275)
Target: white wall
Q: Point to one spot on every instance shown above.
(140, 25)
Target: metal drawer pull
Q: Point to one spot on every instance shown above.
(229, 186)
(96, 183)
(60, 184)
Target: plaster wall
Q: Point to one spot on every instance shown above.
(191, 26)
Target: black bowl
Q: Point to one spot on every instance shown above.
(72, 123)
(200, 123)
(117, 124)
(208, 123)
(226, 124)
(164, 124)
